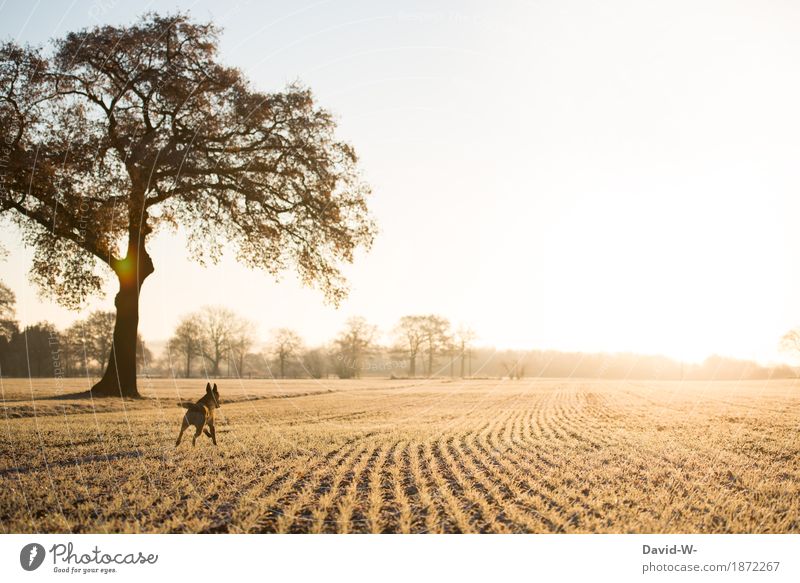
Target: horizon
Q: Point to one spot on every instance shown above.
(572, 219)
(385, 341)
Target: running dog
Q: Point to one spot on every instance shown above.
(200, 414)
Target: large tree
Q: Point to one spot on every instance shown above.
(124, 130)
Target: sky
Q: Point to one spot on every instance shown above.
(616, 176)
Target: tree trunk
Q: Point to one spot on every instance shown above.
(215, 362)
(188, 363)
(412, 365)
(119, 379)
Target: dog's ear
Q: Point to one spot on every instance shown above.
(215, 388)
(208, 387)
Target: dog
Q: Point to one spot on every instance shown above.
(200, 414)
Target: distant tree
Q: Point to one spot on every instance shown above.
(463, 339)
(243, 336)
(284, 347)
(33, 351)
(144, 357)
(187, 341)
(409, 334)
(217, 325)
(450, 349)
(790, 343)
(93, 338)
(436, 338)
(87, 342)
(783, 372)
(72, 352)
(315, 363)
(126, 130)
(8, 324)
(515, 370)
(255, 365)
(351, 346)
(724, 368)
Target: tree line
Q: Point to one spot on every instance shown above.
(205, 341)
(42, 350)
(217, 342)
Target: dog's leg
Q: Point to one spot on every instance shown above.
(184, 425)
(213, 434)
(196, 435)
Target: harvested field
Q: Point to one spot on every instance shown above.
(543, 456)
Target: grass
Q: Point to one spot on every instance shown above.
(406, 456)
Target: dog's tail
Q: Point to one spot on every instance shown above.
(191, 406)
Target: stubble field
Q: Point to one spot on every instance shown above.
(543, 456)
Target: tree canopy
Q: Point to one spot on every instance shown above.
(124, 130)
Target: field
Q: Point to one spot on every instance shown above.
(542, 456)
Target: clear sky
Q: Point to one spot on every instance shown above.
(556, 174)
